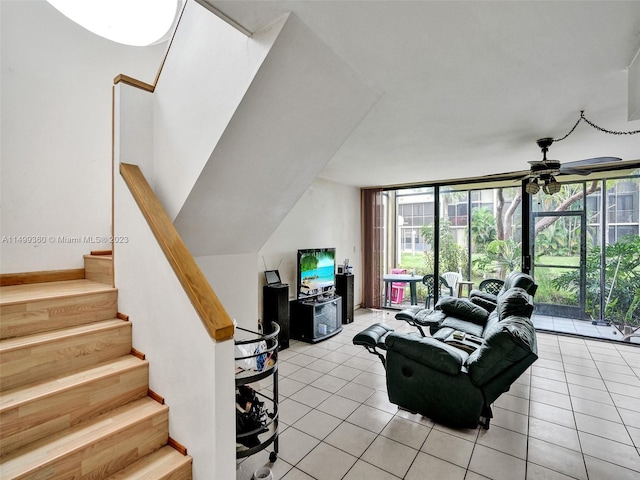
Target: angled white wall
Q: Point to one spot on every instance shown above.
(303, 103)
(207, 72)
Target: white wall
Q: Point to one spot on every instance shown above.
(232, 277)
(328, 215)
(207, 72)
(56, 133)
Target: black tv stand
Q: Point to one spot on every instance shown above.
(316, 319)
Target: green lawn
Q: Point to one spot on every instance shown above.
(410, 261)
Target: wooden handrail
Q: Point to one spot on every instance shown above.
(134, 83)
(215, 318)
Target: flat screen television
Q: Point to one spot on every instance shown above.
(316, 272)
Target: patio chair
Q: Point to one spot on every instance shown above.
(491, 285)
(452, 279)
(430, 282)
(397, 288)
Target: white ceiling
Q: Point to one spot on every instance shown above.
(467, 87)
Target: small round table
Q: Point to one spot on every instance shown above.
(462, 283)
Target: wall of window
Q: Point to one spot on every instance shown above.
(481, 232)
(478, 237)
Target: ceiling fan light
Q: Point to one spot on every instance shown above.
(552, 186)
(532, 187)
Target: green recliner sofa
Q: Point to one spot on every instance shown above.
(472, 357)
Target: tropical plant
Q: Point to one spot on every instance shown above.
(622, 281)
(552, 241)
(500, 257)
(452, 256)
(483, 228)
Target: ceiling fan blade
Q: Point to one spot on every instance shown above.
(574, 171)
(591, 161)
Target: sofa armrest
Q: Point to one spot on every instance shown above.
(427, 318)
(373, 336)
(507, 343)
(421, 317)
(428, 352)
(409, 313)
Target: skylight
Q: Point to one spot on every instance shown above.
(130, 22)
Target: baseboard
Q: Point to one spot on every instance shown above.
(7, 279)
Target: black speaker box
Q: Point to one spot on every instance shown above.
(344, 288)
(275, 308)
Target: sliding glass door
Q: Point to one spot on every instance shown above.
(558, 254)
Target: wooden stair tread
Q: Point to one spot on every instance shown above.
(40, 453)
(15, 294)
(74, 401)
(159, 465)
(21, 395)
(49, 406)
(9, 344)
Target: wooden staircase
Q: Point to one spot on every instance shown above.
(74, 400)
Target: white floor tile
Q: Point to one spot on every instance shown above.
(310, 396)
(370, 418)
(351, 438)
(496, 465)
(610, 451)
(406, 432)
(436, 468)
(317, 424)
(338, 406)
(554, 433)
(556, 458)
(448, 447)
(356, 392)
(603, 428)
(327, 463)
(294, 445)
(390, 456)
(505, 441)
(365, 471)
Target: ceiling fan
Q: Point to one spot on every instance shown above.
(543, 172)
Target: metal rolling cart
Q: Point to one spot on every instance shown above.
(256, 359)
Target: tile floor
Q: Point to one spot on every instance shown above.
(574, 414)
(580, 327)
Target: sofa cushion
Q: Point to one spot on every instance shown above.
(515, 301)
(505, 343)
(483, 301)
(463, 309)
(520, 280)
(428, 351)
(463, 326)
